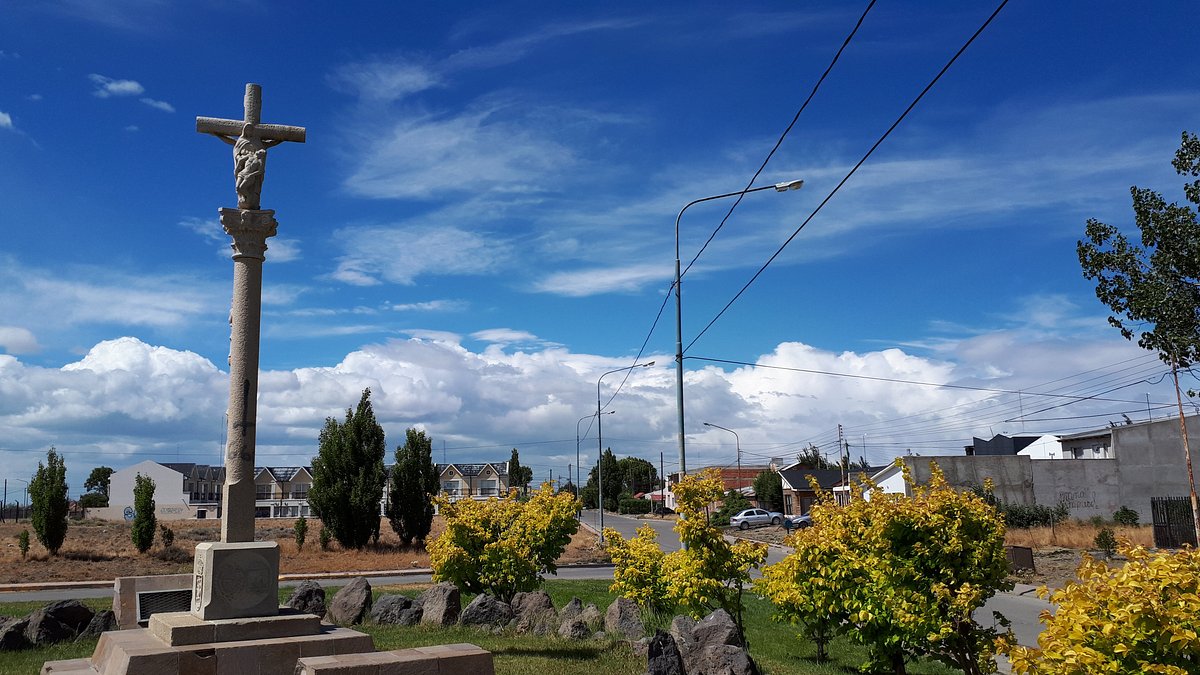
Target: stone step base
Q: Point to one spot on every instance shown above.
(139, 651)
(455, 659)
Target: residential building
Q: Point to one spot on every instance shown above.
(186, 490)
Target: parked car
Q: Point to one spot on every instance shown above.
(797, 522)
(750, 517)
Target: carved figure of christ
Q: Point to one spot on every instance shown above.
(250, 140)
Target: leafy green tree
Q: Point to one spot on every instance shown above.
(300, 529)
(144, 520)
(735, 502)
(98, 481)
(768, 486)
(23, 543)
(613, 480)
(93, 500)
(348, 475)
(637, 475)
(413, 485)
(519, 476)
(1153, 289)
(812, 458)
(48, 500)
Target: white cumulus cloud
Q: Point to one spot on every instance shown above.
(107, 86)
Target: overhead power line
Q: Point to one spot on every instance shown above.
(852, 171)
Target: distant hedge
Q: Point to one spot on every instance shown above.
(634, 506)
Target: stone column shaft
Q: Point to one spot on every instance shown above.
(249, 229)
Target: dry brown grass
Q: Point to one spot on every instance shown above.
(1077, 535)
(102, 550)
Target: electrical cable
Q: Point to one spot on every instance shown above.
(852, 171)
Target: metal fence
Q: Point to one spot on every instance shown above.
(1173, 522)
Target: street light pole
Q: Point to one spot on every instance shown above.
(778, 187)
(600, 441)
(738, 443)
(578, 487)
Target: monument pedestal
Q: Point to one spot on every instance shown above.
(236, 580)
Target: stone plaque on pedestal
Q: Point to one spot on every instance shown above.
(236, 580)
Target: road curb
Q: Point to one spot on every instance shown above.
(312, 576)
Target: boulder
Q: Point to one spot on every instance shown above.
(663, 657)
(486, 610)
(396, 610)
(723, 659)
(591, 616)
(574, 629)
(58, 621)
(717, 628)
(441, 604)
(104, 621)
(309, 598)
(570, 610)
(681, 629)
(623, 619)
(12, 633)
(352, 603)
(535, 613)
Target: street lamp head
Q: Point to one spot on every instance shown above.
(789, 185)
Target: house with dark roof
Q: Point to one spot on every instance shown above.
(798, 493)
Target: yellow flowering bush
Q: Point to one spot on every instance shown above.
(1142, 617)
(502, 546)
(901, 575)
(709, 573)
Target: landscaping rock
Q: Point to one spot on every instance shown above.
(396, 610)
(352, 603)
(12, 633)
(663, 657)
(681, 629)
(717, 628)
(486, 610)
(623, 619)
(104, 621)
(723, 659)
(591, 616)
(571, 610)
(535, 613)
(574, 629)
(441, 605)
(309, 598)
(58, 621)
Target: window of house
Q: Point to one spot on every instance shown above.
(300, 491)
(451, 487)
(262, 491)
(488, 488)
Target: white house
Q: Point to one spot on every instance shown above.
(171, 502)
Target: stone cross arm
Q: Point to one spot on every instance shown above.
(233, 128)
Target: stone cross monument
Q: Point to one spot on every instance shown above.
(238, 577)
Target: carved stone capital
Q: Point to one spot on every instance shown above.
(249, 229)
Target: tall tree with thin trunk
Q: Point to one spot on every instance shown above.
(48, 499)
(348, 475)
(1153, 289)
(518, 476)
(144, 518)
(413, 485)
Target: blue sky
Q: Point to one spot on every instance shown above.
(481, 222)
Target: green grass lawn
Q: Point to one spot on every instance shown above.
(774, 646)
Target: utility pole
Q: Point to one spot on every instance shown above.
(4, 504)
(842, 454)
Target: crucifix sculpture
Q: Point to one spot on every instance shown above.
(250, 227)
(250, 140)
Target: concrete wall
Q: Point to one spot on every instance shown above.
(170, 502)
(1152, 462)
(1087, 487)
(1011, 475)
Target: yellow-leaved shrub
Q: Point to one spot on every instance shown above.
(708, 574)
(502, 546)
(901, 575)
(1142, 617)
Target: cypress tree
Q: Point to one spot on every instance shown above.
(48, 499)
(348, 475)
(144, 519)
(413, 484)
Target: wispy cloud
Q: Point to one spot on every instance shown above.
(159, 105)
(431, 306)
(107, 87)
(6, 121)
(400, 254)
(382, 79)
